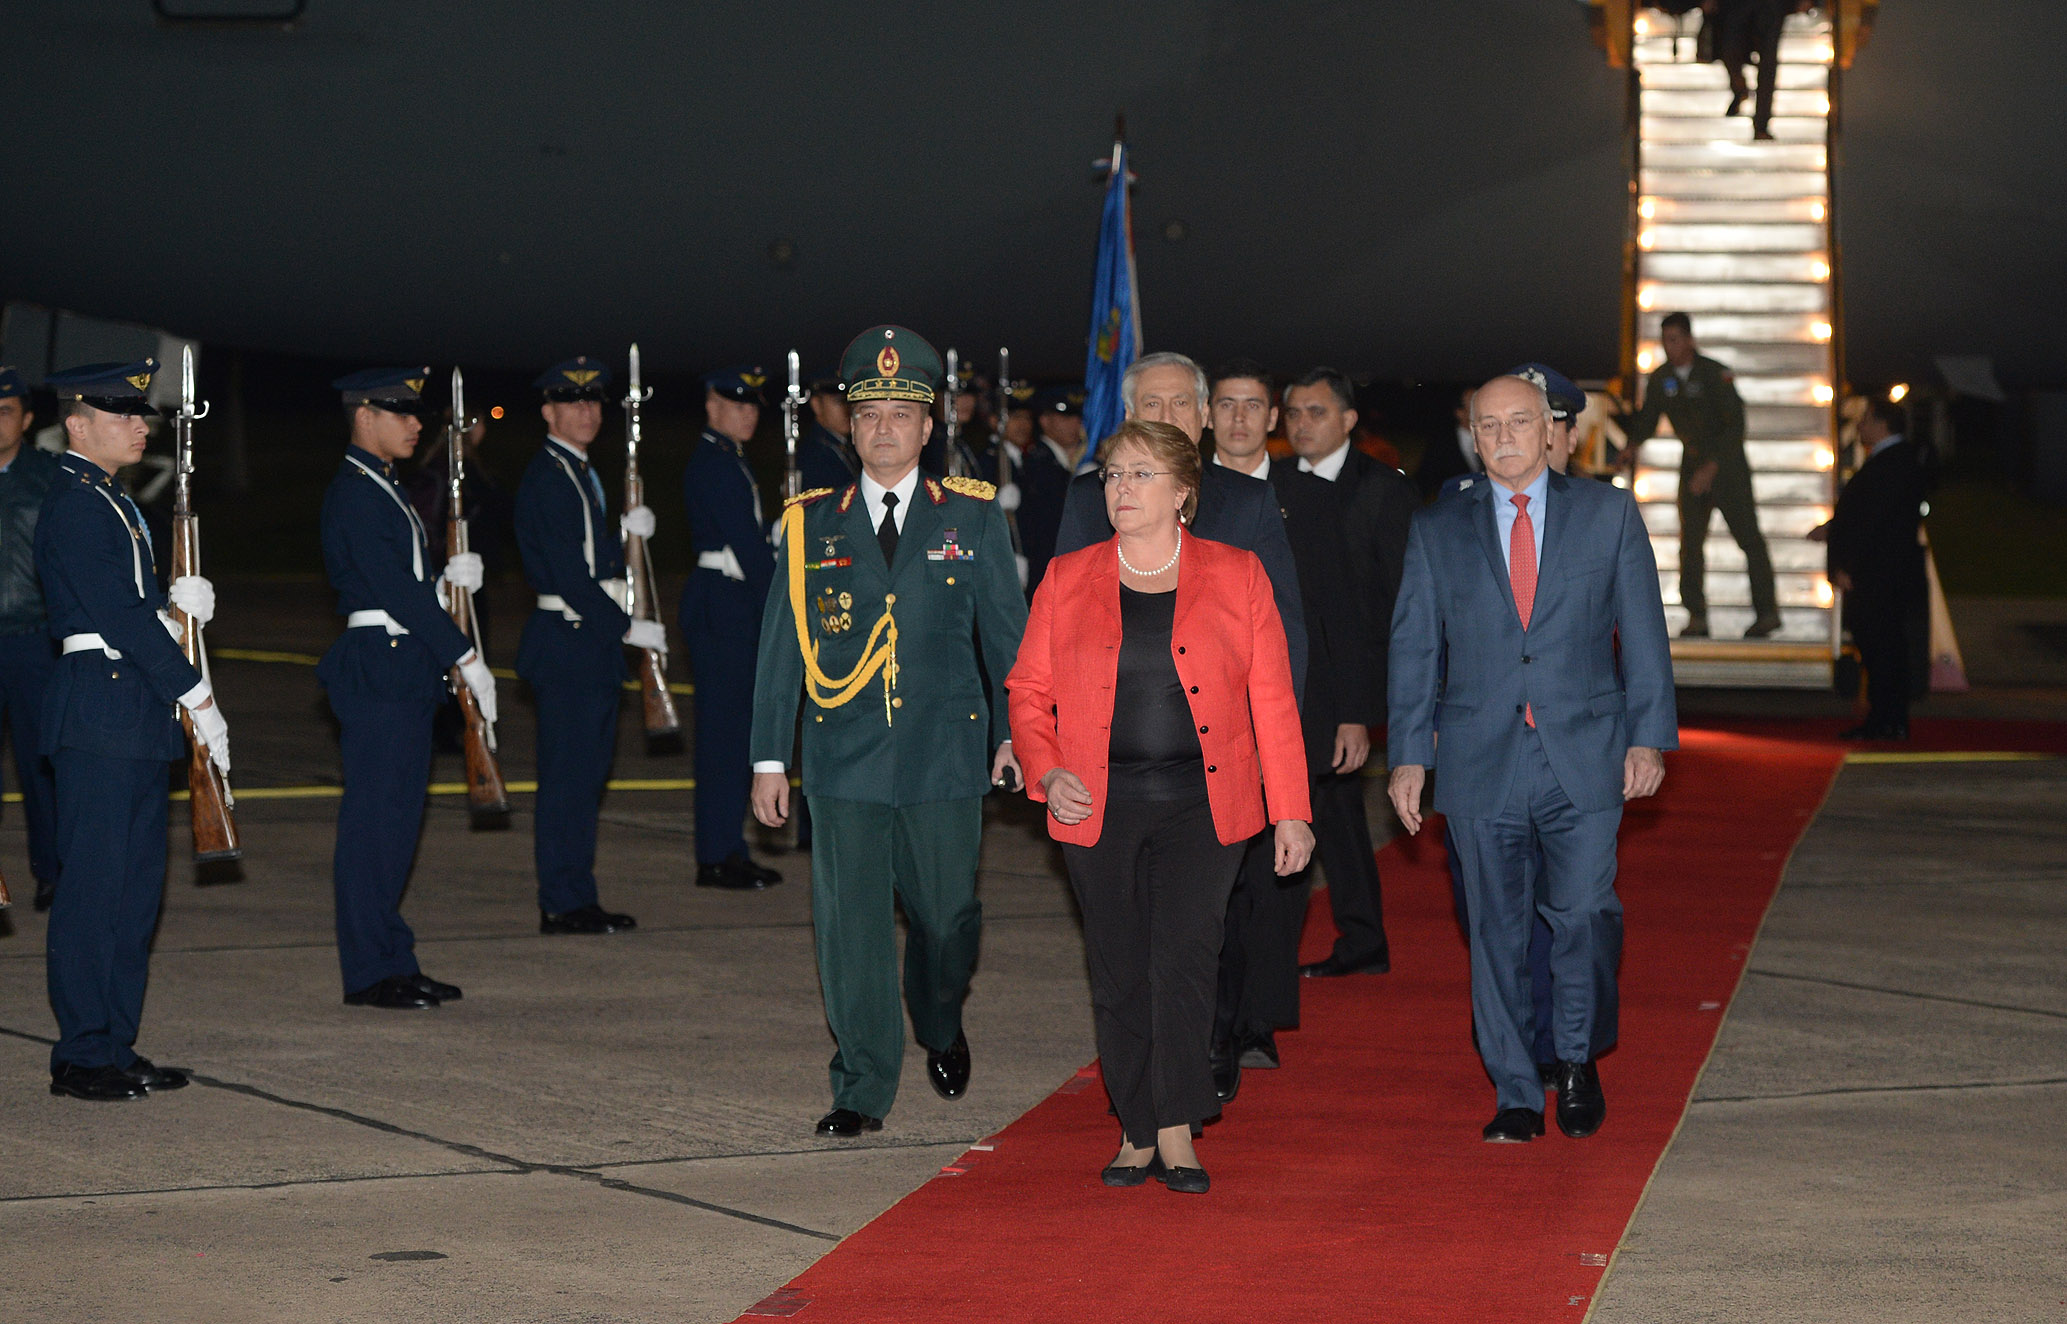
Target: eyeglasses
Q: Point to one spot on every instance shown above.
(1138, 477)
(1514, 425)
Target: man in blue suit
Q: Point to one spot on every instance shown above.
(385, 677)
(109, 726)
(1514, 594)
(572, 652)
(27, 657)
(721, 620)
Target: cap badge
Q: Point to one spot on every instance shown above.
(416, 384)
(887, 361)
(754, 379)
(142, 381)
(582, 376)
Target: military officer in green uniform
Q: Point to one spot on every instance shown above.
(1700, 396)
(888, 590)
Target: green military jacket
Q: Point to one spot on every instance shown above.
(1707, 413)
(904, 702)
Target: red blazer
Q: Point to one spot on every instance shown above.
(1229, 647)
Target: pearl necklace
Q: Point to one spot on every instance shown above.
(1167, 565)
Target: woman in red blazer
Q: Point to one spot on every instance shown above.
(1152, 710)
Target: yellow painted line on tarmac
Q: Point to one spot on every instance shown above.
(1946, 756)
(441, 788)
(310, 660)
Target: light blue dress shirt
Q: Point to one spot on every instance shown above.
(1504, 513)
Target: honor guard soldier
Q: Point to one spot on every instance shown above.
(572, 652)
(824, 457)
(27, 658)
(386, 678)
(110, 724)
(886, 591)
(721, 620)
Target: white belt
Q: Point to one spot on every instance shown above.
(372, 616)
(80, 643)
(724, 561)
(554, 602)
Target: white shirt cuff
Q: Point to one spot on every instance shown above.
(771, 765)
(196, 696)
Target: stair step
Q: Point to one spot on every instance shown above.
(1796, 556)
(1736, 128)
(1805, 48)
(1732, 183)
(1733, 267)
(1661, 517)
(1727, 328)
(1676, 238)
(1716, 155)
(1802, 103)
(1753, 358)
(1733, 588)
(1779, 457)
(1737, 211)
(1695, 297)
(1710, 77)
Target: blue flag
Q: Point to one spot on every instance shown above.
(1115, 339)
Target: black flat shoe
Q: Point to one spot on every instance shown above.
(847, 1123)
(395, 993)
(735, 876)
(949, 1071)
(589, 919)
(1185, 1181)
(1260, 1051)
(1513, 1126)
(432, 988)
(1227, 1071)
(1581, 1107)
(1121, 1174)
(1334, 966)
(154, 1078)
(94, 1084)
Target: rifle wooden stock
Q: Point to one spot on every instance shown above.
(488, 800)
(6, 898)
(208, 791)
(663, 723)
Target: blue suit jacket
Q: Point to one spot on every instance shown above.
(89, 551)
(1460, 656)
(556, 542)
(377, 559)
(718, 490)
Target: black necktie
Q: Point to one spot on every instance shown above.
(886, 532)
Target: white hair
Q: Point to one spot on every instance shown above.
(1162, 359)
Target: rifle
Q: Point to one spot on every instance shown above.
(1005, 463)
(488, 803)
(214, 807)
(663, 724)
(957, 459)
(793, 401)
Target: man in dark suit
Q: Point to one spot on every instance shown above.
(1506, 634)
(1877, 562)
(823, 455)
(1233, 507)
(1745, 28)
(1043, 467)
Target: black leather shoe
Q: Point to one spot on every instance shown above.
(1580, 1103)
(396, 993)
(154, 1078)
(1763, 626)
(1227, 1071)
(97, 1084)
(432, 988)
(589, 919)
(1260, 1051)
(1514, 1126)
(1696, 628)
(949, 1071)
(735, 876)
(767, 876)
(46, 893)
(1333, 966)
(1185, 1181)
(1122, 1175)
(845, 1122)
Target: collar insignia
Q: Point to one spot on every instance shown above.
(933, 490)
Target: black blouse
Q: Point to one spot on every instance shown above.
(1155, 751)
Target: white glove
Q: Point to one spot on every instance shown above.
(1008, 498)
(465, 570)
(647, 634)
(481, 681)
(209, 727)
(620, 592)
(636, 523)
(195, 596)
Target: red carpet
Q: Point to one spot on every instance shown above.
(1352, 1183)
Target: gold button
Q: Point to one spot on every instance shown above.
(819, 718)
(972, 717)
(394, 643)
(897, 703)
(950, 579)
(889, 599)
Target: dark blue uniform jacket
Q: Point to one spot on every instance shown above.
(569, 542)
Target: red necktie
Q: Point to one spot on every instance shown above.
(1521, 570)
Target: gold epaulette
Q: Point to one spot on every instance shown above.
(806, 498)
(971, 487)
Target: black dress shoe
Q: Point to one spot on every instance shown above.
(1580, 1103)
(730, 875)
(949, 1070)
(97, 1084)
(1696, 628)
(846, 1122)
(396, 993)
(1763, 626)
(1227, 1071)
(1186, 1181)
(153, 1077)
(1122, 1175)
(433, 988)
(1334, 965)
(767, 876)
(1514, 1126)
(591, 918)
(1260, 1051)
(46, 893)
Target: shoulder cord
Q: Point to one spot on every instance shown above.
(588, 528)
(418, 538)
(878, 654)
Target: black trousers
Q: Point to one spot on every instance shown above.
(1342, 843)
(1259, 953)
(1731, 494)
(1880, 626)
(1747, 28)
(1154, 895)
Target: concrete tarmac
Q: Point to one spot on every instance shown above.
(620, 1128)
